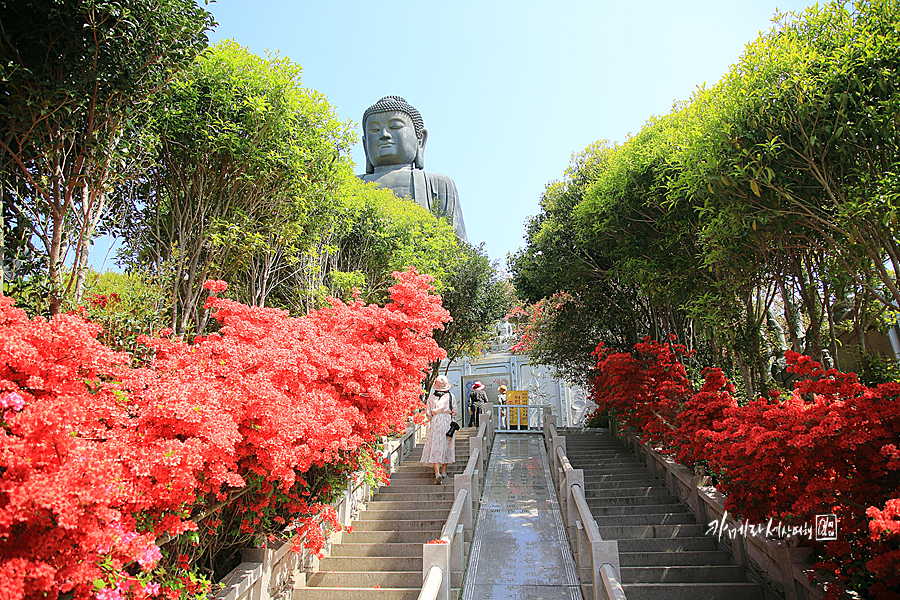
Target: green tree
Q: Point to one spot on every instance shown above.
(477, 297)
(242, 155)
(570, 284)
(73, 73)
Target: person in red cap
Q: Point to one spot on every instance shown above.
(477, 400)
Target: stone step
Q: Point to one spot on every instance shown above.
(420, 478)
(365, 579)
(429, 489)
(616, 477)
(372, 563)
(664, 554)
(676, 558)
(423, 469)
(371, 579)
(597, 501)
(626, 492)
(633, 471)
(432, 493)
(681, 544)
(646, 519)
(639, 509)
(644, 481)
(683, 574)
(651, 531)
(391, 504)
(377, 550)
(400, 525)
(415, 457)
(390, 537)
(374, 513)
(320, 593)
(693, 591)
(577, 458)
(624, 462)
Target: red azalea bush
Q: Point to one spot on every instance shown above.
(646, 389)
(828, 448)
(100, 462)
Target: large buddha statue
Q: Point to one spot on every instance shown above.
(394, 143)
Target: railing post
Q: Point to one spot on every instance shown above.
(581, 551)
(561, 491)
(559, 441)
(477, 442)
(457, 550)
(573, 477)
(605, 552)
(346, 505)
(464, 482)
(549, 419)
(437, 555)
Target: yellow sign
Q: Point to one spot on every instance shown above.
(518, 417)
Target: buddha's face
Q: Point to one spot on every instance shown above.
(391, 139)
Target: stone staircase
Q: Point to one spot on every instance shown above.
(382, 557)
(663, 553)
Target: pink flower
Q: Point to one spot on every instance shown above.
(13, 401)
(149, 556)
(108, 594)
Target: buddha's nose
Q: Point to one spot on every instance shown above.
(385, 134)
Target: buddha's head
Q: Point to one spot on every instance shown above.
(394, 134)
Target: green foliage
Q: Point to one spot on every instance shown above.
(559, 262)
(598, 418)
(477, 297)
(73, 75)
(376, 233)
(242, 160)
(876, 369)
(127, 305)
(776, 190)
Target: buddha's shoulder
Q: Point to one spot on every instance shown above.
(439, 181)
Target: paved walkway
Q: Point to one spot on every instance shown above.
(520, 534)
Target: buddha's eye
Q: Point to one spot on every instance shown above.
(397, 124)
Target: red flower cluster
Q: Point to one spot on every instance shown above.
(830, 447)
(103, 300)
(99, 460)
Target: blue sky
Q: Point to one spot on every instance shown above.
(508, 90)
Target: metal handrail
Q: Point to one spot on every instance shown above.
(432, 583)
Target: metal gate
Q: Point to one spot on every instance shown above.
(519, 418)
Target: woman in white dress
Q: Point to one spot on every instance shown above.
(440, 409)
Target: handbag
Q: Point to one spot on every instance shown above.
(453, 424)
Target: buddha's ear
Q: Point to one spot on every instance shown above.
(420, 154)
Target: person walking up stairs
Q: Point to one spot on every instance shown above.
(663, 553)
(382, 557)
